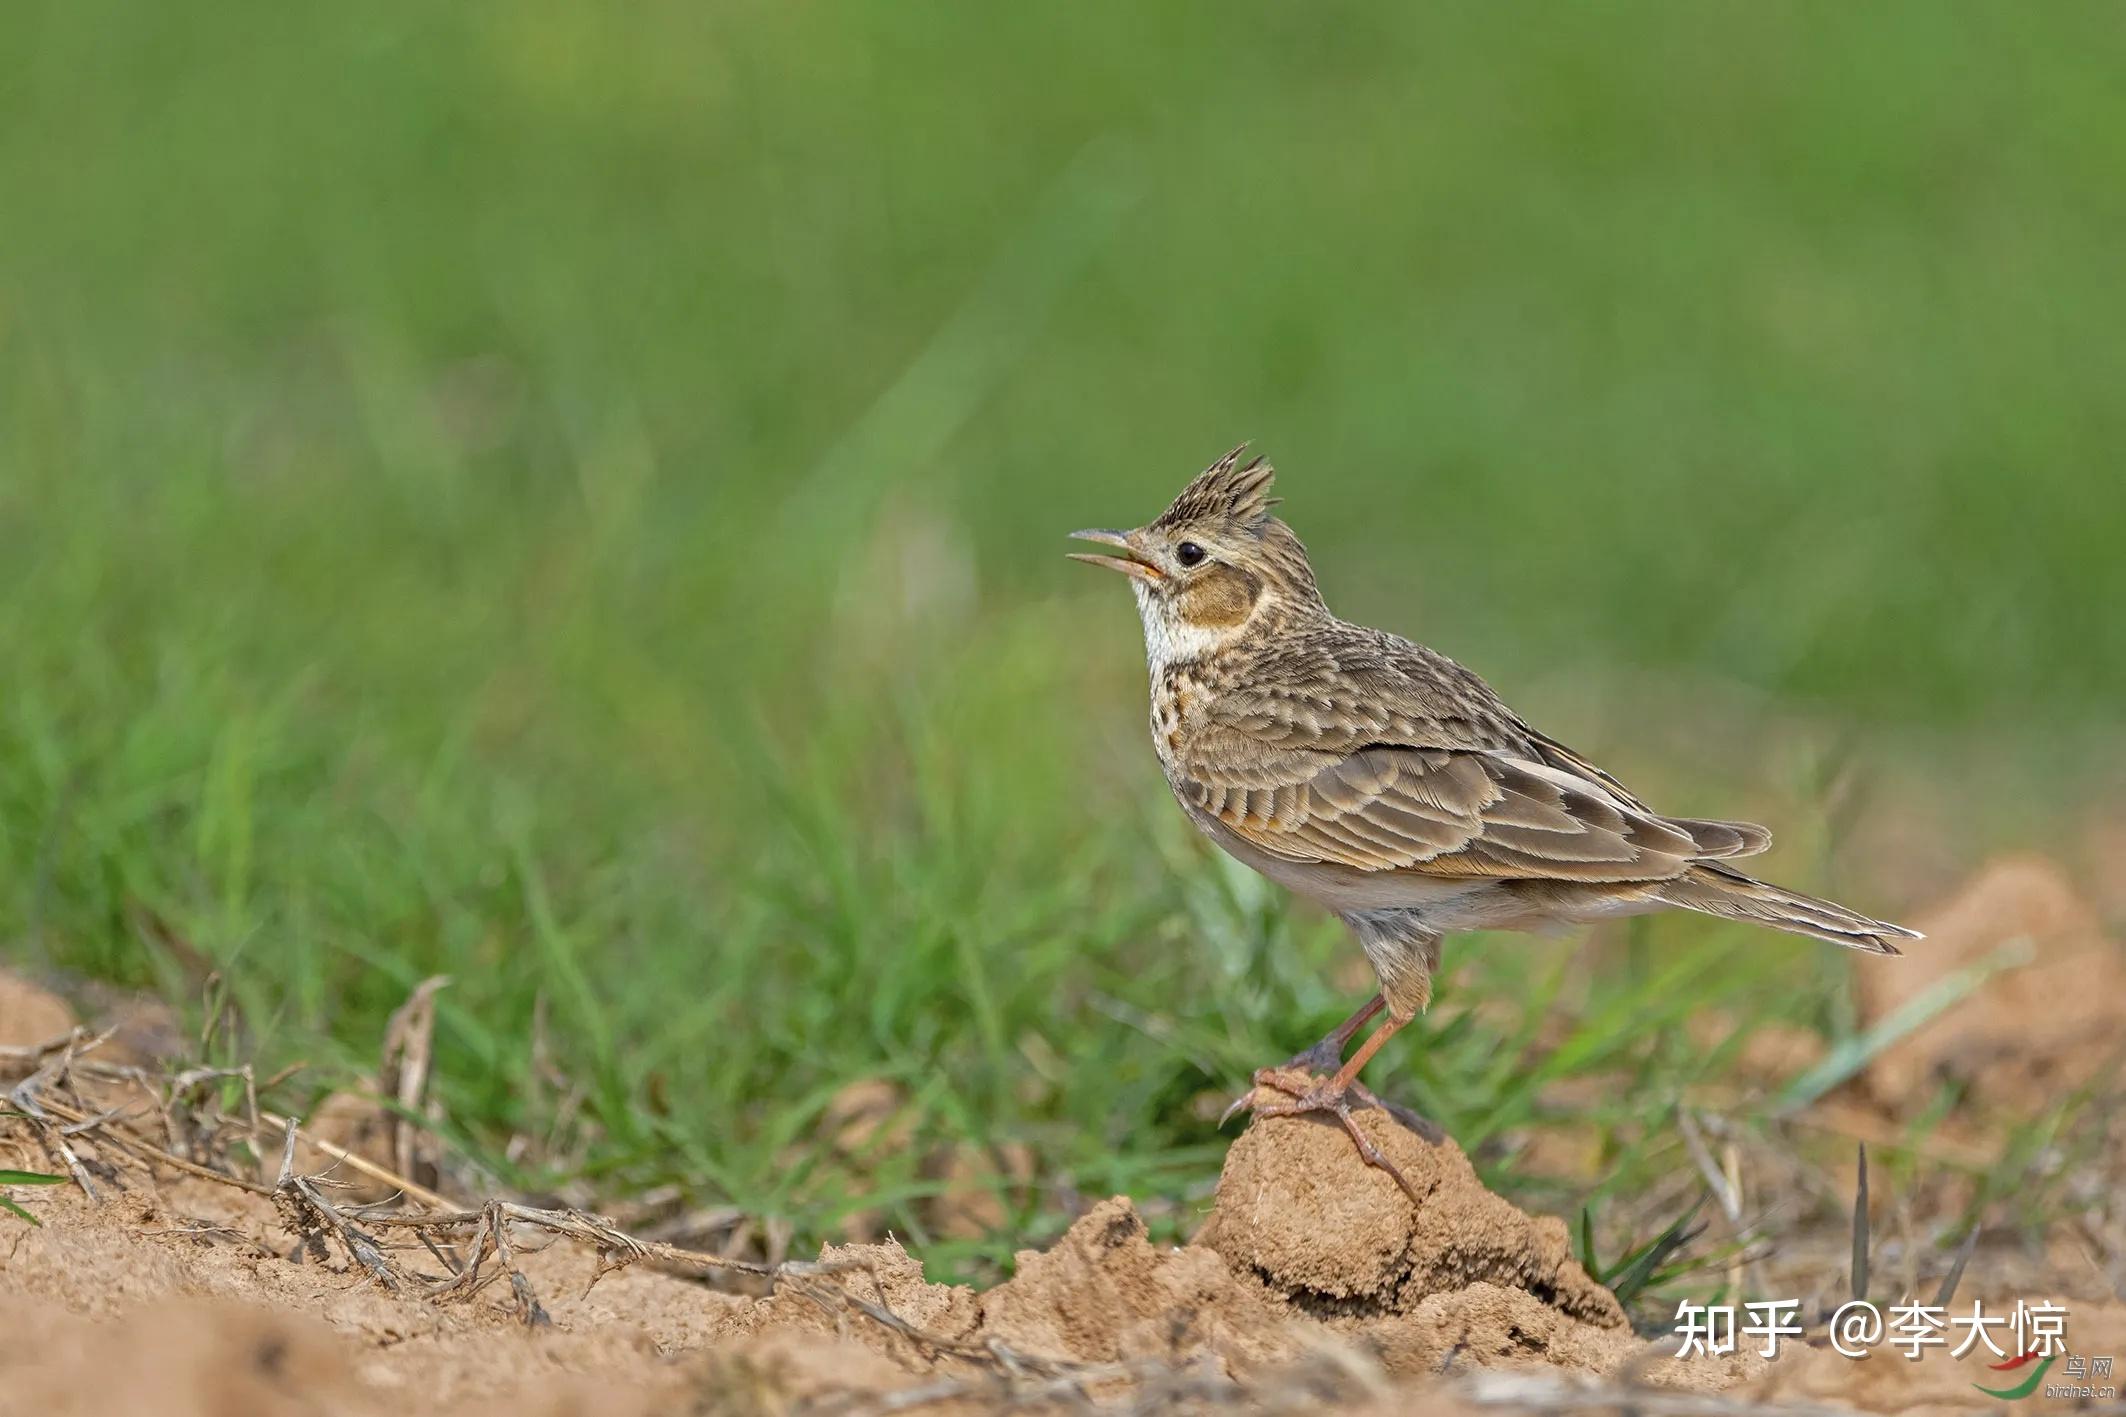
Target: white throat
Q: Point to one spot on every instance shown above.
(1167, 640)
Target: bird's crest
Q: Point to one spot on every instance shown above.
(1226, 490)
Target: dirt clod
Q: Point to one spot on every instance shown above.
(30, 1015)
(1461, 1278)
(1339, 1240)
(2033, 1030)
(1104, 1293)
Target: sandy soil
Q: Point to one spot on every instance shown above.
(1314, 1283)
(2049, 1025)
(1313, 1276)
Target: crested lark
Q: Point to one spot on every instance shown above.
(1389, 784)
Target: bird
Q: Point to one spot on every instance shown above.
(1390, 785)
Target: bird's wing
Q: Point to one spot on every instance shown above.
(1368, 751)
(1436, 811)
(1715, 840)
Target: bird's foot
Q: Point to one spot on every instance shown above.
(1273, 1078)
(1314, 1063)
(1299, 1096)
(1279, 1079)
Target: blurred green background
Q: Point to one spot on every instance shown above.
(572, 498)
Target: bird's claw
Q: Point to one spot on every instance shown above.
(1317, 1062)
(1315, 1095)
(1272, 1078)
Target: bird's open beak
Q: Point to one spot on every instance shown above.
(1130, 563)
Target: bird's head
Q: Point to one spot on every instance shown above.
(1211, 563)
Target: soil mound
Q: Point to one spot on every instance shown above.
(2045, 1023)
(1312, 1267)
(1334, 1238)
(1460, 1275)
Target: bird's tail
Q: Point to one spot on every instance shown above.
(1727, 893)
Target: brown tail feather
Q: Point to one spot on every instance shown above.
(1727, 893)
(1723, 839)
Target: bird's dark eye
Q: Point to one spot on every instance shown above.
(1188, 553)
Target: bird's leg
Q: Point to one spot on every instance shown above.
(1327, 1055)
(1324, 1057)
(1335, 1095)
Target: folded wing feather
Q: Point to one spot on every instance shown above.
(1444, 812)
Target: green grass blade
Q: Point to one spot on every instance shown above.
(1641, 1268)
(1587, 1241)
(1850, 1055)
(1860, 1228)
(26, 1178)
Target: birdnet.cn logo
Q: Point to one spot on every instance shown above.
(2082, 1378)
(2027, 1340)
